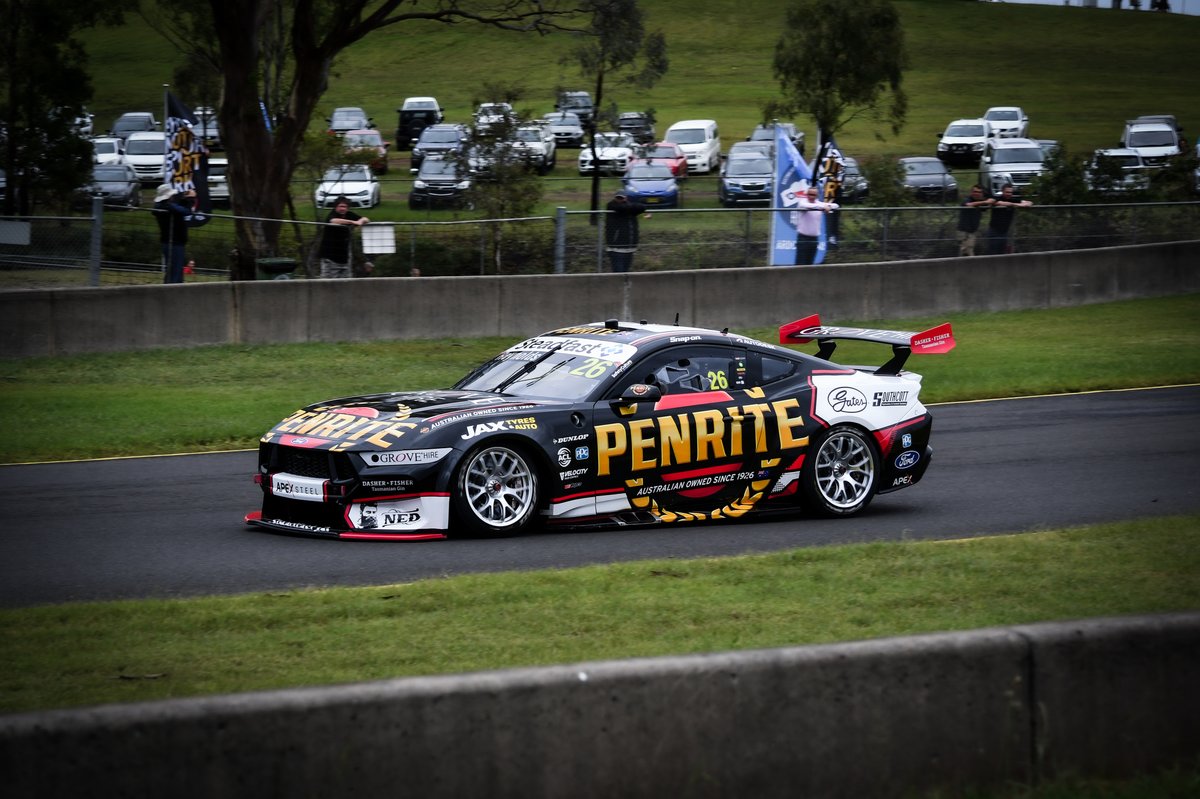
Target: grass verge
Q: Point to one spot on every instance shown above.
(81, 654)
(216, 398)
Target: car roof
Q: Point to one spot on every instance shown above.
(1008, 144)
(693, 123)
(1003, 108)
(146, 134)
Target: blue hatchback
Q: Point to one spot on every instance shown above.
(651, 184)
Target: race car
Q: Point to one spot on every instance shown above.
(608, 423)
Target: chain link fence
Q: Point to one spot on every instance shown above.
(117, 247)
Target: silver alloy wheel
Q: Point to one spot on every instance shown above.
(500, 487)
(845, 469)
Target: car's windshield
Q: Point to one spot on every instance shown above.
(563, 368)
(662, 152)
(106, 147)
(686, 136)
(740, 167)
(345, 173)
(612, 140)
(108, 173)
(438, 136)
(132, 123)
(1004, 116)
(964, 130)
(1018, 155)
(438, 167)
(649, 172)
(364, 140)
(524, 134)
(924, 168)
(347, 117)
(1151, 138)
(146, 147)
(562, 119)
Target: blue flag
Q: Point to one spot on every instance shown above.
(792, 176)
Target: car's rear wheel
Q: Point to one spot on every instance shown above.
(496, 492)
(839, 475)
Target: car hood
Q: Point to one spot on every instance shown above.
(391, 421)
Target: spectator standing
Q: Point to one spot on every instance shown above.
(807, 219)
(336, 243)
(171, 211)
(621, 231)
(969, 218)
(1001, 220)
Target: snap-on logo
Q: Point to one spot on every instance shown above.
(847, 400)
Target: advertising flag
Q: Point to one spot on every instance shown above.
(187, 158)
(792, 176)
(829, 167)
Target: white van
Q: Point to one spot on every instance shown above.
(146, 152)
(700, 141)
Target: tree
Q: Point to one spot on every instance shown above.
(837, 60)
(616, 42)
(44, 86)
(275, 59)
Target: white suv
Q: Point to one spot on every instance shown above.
(963, 141)
(537, 145)
(1015, 161)
(146, 152)
(1008, 122)
(700, 141)
(1155, 140)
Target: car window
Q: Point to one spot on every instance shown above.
(146, 147)
(1151, 138)
(748, 166)
(1017, 155)
(550, 367)
(776, 368)
(965, 130)
(686, 136)
(690, 370)
(649, 172)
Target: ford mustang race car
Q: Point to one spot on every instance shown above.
(610, 423)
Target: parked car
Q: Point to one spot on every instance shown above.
(356, 182)
(1015, 161)
(444, 140)
(855, 186)
(566, 127)
(1008, 122)
(1155, 141)
(613, 423)
(488, 115)
(762, 149)
(440, 183)
(929, 180)
(700, 140)
(668, 153)
(146, 153)
(108, 150)
(1049, 147)
(206, 127)
(117, 184)
(416, 114)
(651, 184)
(537, 145)
(218, 181)
(370, 142)
(613, 152)
(1117, 171)
(578, 103)
(747, 179)
(349, 118)
(766, 133)
(637, 125)
(963, 141)
(134, 122)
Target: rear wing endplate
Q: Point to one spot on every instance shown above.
(935, 340)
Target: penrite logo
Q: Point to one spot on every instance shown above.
(847, 400)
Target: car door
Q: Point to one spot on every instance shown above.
(688, 434)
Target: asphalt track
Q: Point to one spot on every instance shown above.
(171, 526)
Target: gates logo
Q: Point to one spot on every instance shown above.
(847, 400)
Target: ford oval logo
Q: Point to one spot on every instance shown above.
(847, 400)
(907, 460)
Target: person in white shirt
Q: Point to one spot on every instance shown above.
(807, 219)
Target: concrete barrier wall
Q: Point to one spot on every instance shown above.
(71, 321)
(993, 707)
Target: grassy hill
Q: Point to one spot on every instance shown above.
(1079, 73)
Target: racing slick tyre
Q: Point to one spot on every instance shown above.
(495, 492)
(839, 474)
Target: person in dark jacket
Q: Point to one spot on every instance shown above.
(171, 211)
(621, 231)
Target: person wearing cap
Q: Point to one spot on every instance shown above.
(171, 210)
(621, 230)
(807, 219)
(335, 252)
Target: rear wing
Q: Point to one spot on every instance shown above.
(935, 340)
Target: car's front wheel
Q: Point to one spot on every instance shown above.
(839, 474)
(495, 492)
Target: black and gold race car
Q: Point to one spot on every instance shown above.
(608, 423)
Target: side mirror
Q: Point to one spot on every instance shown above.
(640, 392)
